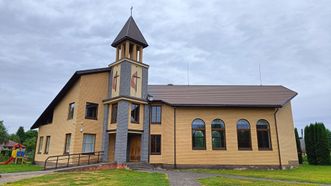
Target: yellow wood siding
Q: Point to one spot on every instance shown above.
(166, 129)
(287, 142)
(60, 126)
(89, 88)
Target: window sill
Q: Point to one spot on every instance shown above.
(157, 154)
(198, 148)
(88, 153)
(91, 118)
(156, 123)
(265, 149)
(245, 149)
(219, 148)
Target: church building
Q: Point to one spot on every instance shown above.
(115, 111)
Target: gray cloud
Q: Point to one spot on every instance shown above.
(44, 42)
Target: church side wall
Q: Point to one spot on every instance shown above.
(186, 157)
(287, 141)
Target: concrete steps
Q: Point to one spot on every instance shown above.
(140, 166)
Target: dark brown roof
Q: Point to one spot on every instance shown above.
(222, 95)
(48, 112)
(131, 32)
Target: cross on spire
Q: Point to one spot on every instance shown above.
(131, 9)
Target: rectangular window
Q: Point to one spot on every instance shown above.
(40, 146)
(71, 111)
(48, 141)
(155, 144)
(88, 143)
(156, 114)
(134, 113)
(67, 144)
(114, 113)
(91, 111)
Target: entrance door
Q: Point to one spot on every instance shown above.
(135, 147)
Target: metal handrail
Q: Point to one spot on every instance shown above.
(93, 157)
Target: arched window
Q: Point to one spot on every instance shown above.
(198, 134)
(218, 134)
(263, 134)
(244, 135)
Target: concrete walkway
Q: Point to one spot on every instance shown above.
(11, 177)
(176, 177)
(186, 178)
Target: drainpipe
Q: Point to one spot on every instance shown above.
(280, 159)
(175, 163)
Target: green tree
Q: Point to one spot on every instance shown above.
(21, 134)
(4, 137)
(329, 137)
(322, 148)
(30, 140)
(299, 150)
(14, 137)
(317, 147)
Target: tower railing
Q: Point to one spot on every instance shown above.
(71, 160)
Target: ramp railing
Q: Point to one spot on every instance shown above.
(70, 160)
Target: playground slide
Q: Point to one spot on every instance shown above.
(8, 161)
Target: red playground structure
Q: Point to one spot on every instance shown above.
(17, 154)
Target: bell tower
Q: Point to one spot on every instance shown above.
(128, 81)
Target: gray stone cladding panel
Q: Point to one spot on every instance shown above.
(125, 78)
(144, 87)
(145, 136)
(110, 83)
(105, 137)
(122, 132)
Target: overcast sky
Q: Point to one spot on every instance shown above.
(42, 43)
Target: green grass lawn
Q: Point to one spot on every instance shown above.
(221, 181)
(304, 173)
(19, 168)
(116, 177)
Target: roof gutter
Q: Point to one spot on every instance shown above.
(279, 157)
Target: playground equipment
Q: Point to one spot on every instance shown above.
(16, 155)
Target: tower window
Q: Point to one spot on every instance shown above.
(130, 51)
(138, 53)
(119, 54)
(114, 113)
(134, 113)
(91, 111)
